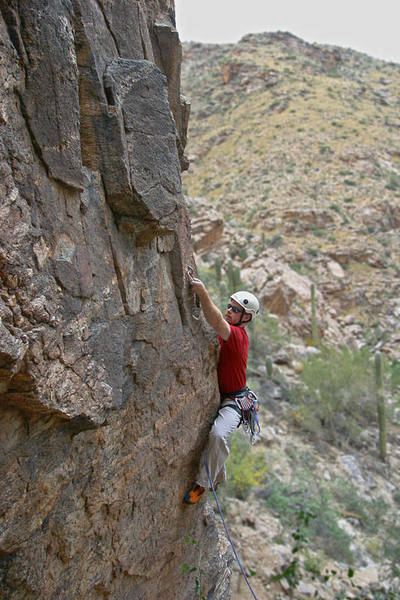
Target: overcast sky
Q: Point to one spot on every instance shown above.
(370, 26)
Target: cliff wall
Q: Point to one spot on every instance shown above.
(105, 378)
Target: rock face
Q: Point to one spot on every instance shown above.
(105, 379)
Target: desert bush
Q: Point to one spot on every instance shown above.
(393, 182)
(337, 393)
(317, 231)
(392, 549)
(296, 266)
(324, 148)
(394, 370)
(305, 494)
(275, 241)
(246, 466)
(372, 512)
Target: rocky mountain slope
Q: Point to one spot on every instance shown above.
(101, 363)
(295, 175)
(295, 179)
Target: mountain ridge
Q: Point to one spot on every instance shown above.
(306, 138)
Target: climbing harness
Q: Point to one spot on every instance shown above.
(246, 404)
(197, 306)
(226, 528)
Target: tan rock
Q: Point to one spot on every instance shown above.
(366, 576)
(276, 299)
(335, 268)
(207, 232)
(230, 70)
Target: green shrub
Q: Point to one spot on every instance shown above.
(306, 495)
(276, 241)
(393, 182)
(392, 549)
(323, 149)
(296, 266)
(372, 512)
(395, 375)
(337, 395)
(317, 231)
(246, 466)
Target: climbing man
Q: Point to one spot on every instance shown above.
(237, 401)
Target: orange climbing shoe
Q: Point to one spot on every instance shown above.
(194, 494)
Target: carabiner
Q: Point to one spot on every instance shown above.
(190, 273)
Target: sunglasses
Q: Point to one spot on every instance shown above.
(234, 309)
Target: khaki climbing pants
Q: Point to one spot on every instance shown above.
(217, 450)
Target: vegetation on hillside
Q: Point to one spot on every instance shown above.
(297, 146)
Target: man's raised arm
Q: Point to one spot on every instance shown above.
(211, 312)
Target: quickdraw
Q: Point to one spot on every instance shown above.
(248, 404)
(197, 306)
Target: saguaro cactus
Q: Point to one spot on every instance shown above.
(269, 366)
(237, 278)
(218, 270)
(230, 276)
(314, 326)
(234, 279)
(381, 405)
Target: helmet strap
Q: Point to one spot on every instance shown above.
(241, 317)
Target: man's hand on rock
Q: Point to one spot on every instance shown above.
(197, 285)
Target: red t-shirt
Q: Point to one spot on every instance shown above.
(233, 360)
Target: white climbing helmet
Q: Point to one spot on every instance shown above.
(247, 301)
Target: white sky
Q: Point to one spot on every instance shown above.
(370, 26)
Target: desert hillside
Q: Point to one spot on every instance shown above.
(295, 176)
(294, 186)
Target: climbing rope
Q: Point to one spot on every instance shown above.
(226, 529)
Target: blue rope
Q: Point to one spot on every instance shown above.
(226, 529)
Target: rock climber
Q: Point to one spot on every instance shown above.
(234, 346)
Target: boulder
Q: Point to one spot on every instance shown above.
(207, 232)
(335, 269)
